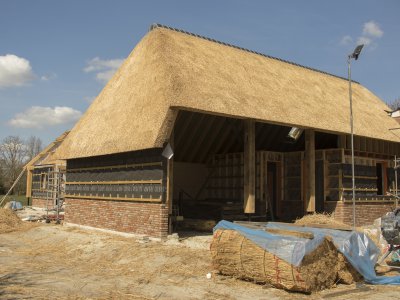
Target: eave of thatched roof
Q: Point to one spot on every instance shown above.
(172, 69)
(47, 155)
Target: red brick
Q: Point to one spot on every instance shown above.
(131, 217)
(366, 212)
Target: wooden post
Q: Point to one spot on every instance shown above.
(170, 177)
(29, 175)
(262, 184)
(342, 141)
(249, 167)
(310, 169)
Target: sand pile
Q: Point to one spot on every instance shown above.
(235, 255)
(9, 221)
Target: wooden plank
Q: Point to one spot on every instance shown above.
(304, 235)
(310, 169)
(279, 231)
(150, 164)
(326, 226)
(314, 225)
(249, 167)
(157, 200)
(115, 182)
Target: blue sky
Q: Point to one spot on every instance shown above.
(56, 56)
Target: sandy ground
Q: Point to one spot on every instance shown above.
(54, 261)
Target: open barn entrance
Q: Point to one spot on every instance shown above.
(209, 173)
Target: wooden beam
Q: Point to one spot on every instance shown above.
(278, 231)
(310, 170)
(93, 197)
(249, 167)
(142, 165)
(342, 141)
(304, 235)
(115, 182)
(263, 164)
(170, 177)
(314, 225)
(29, 182)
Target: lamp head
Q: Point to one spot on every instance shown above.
(356, 52)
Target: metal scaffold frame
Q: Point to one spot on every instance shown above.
(53, 193)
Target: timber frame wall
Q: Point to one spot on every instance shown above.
(333, 186)
(41, 185)
(125, 192)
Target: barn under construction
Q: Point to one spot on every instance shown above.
(45, 179)
(192, 128)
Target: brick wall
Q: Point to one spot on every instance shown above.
(36, 202)
(131, 217)
(366, 212)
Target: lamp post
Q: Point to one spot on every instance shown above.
(354, 55)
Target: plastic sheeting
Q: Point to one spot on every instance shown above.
(15, 205)
(359, 250)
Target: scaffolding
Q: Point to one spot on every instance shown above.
(54, 194)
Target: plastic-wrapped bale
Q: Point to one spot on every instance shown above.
(235, 255)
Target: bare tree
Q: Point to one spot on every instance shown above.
(2, 177)
(395, 104)
(33, 147)
(13, 156)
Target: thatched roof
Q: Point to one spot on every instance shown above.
(47, 155)
(170, 69)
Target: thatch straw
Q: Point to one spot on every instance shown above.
(170, 69)
(47, 155)
(9, 221)
(235, 255)
(319, 218)
(346, 272)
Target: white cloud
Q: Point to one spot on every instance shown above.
(364, 40)
(48, 77)
(14, 71)
(372, 29)
(346, 40)
(370, 33)
(105, 69)
(38, 117)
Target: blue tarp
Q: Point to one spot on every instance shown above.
(359, 250)
(15, 205)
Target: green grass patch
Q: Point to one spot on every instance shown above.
(20, 198)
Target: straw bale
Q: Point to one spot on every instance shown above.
(9, 221)
(235, 255)
(170, 70)
(346, 272)
(319, 218)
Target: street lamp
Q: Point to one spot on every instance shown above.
(354, 55)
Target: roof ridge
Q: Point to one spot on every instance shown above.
(157, 25)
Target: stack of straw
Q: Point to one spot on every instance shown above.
(235, 255)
